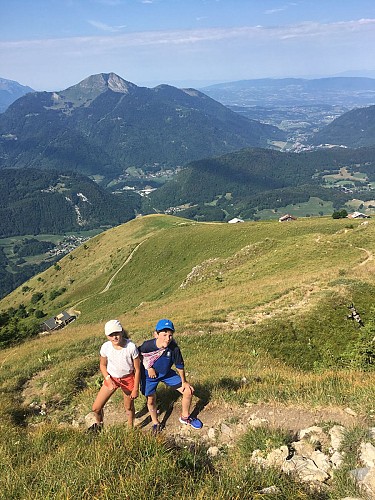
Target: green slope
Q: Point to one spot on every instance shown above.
(261, 315)
(214, 274)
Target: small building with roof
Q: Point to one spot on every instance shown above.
(236, 220)
(57, 322)
(287, 218)
(358, 215)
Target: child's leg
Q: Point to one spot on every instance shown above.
(129, 408)
(187, 396)
(151, 405)
(103, 395)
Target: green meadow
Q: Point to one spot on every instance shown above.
(265, 302)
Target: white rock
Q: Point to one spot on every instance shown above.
(368, 483)
(337, 435)
(307, 471)
(367, 454)
(337, 460)
(322, 461)
(277, 457)
(211, 433)
(303, 448)
(90, 419)
(213, 451)
(270, 490)
(310, 431)
(351, 412)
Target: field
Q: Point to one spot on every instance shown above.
(261, 311)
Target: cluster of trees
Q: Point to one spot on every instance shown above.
(17, 324)
(35, 202)
(32, 246)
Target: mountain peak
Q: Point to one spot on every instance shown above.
(91, 87)
(105, 81)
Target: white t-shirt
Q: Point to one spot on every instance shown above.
(119, 361)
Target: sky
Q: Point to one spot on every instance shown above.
(54, 44)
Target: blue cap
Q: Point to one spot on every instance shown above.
(164, 324)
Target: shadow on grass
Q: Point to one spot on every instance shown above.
(166, 398)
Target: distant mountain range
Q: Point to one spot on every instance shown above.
(347, 91)
(10, 91)
(105, 124)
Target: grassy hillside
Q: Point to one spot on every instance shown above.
(264, 302)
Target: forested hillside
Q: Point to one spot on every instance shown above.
(354, 129)
(37, 201)
(243, 182)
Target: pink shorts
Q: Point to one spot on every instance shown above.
(126, 383)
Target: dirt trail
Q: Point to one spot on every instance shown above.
(237, 419)
(73, 309)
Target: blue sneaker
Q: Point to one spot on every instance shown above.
(195, 423)
(156, 429)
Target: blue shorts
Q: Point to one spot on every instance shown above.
(149, 385)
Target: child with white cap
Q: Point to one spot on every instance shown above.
(120, 367)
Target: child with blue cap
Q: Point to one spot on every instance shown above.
(158, 355)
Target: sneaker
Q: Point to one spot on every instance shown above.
(95, 428)
(195, 423)
(156, 428)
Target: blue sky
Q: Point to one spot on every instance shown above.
(53, 44)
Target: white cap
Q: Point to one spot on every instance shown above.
(112, 326)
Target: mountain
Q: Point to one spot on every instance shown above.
(261, 317)
(247, 181)
(347, 91)
(354, 129)
(105, 124)
(34, 201)
(10, 91)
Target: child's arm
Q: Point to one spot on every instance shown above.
(137, 376)
(103, 368)
(185, 384)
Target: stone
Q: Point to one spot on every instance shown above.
(270, 490)
(277, 457)
(351, 412)
(368, 483)
(213, 451)
(211, 433)
(303, 448)
(321, 461)
(337, 435)
(367, 454)
(311, 432)
(337, 460)
(90, 419)
(306, 470)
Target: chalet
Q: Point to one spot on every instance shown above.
(358, 215)
(236, 220)
(57, 322)
(287, 218)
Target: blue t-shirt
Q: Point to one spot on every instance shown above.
(171, 356)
